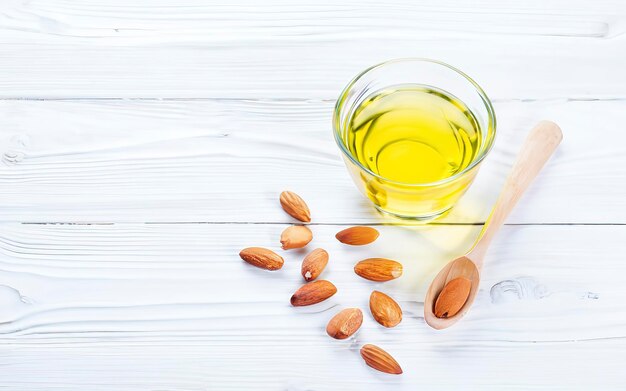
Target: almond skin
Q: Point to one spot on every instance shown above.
(378, 269)
(385, 309)
(296, 236)
(357, 236)
(314, 263)
(313, 293)
(345, 323)
(295, 206)
(452, 297)
(262, 257)
(380, 360)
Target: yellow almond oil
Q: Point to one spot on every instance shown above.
(413, 134)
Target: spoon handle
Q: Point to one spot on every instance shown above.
(537, 149)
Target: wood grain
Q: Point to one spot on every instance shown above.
(113, 49)
(227, 161)
(125, 299)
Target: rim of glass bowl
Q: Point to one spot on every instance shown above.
(475, 162)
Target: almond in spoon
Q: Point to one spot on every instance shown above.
(380, 360)
(345, 323)
(357, 236)
(314, 263)
(262, 257)
(385, 309)
(313, 293)
(295, 206)
(452, 297)
(378, 269)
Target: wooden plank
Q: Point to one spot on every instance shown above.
(227, 161)
(198, 366)
(56, 49)
(172, 306)
(233, 105)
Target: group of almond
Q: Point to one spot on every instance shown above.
(347, 322)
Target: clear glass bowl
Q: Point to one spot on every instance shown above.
(422, 201)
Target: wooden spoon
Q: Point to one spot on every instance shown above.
(537, 149)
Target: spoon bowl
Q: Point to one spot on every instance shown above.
(459, 267)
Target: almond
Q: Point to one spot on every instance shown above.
(378, 269)
(313, 293)
(296, 236)
(295, 206)
(385, 310)
(380, 360)
(357, 236)
(262, 257)
(314, 263)
(345, 323)
(452, 297)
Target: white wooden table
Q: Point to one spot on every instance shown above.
(144, 143)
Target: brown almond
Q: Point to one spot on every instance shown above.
(295, 206)
(378, 269)
(345, 323)
(262, 257)
(357, 236)
(380, 360)
(314, 263)
(452, 297)
(385, 309)
(296, 236)
(313, 293)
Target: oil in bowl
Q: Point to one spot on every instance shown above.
(413, 134)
